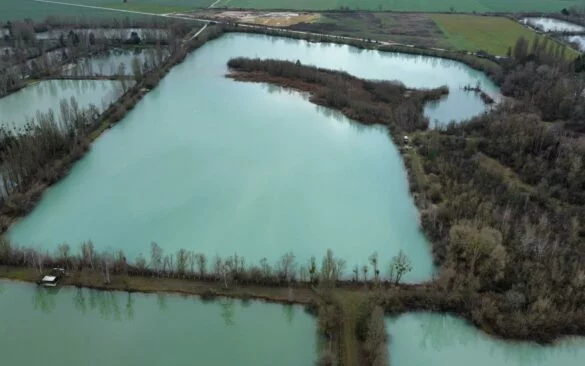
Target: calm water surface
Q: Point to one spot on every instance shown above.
(419, 339)
(218, 166)
(552, 25)
(84, 327)
(18, 108)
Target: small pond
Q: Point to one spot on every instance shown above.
(18, 108)
(552, 25)
(108, 63)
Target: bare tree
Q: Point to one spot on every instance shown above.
(287, 264)
(141, 263)
(365, 272)
(374, 262)
(400, 265)
(156, 254)
(182, 258)
(201, 264)
(64, 252)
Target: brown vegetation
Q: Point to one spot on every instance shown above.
(371, 102)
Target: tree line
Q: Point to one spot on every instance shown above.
(232, 270)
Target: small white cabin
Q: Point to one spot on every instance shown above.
(49, 281)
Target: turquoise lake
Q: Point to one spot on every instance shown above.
(85, 327)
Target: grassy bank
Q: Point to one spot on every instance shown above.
(204, 289)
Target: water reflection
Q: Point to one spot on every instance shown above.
(227, 310)
(18, 108)
(44, 299)
(289, 313)
(103, 326)
(108, 303)
(449, 340)
(129, 306)
(79, 301)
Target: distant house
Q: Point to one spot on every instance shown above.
(52, 278)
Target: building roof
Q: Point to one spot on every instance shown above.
(49, 279)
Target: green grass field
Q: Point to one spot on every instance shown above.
(408, 5)
(21, 9)
(492, 34)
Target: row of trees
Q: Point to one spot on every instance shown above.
(233, 269)
(540, 75)
(26, 158)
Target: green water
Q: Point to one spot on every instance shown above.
(218, 166)
(419, 339)
(18, 108)
(84, 327)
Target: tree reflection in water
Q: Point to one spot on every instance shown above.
(79, 300)
(44, 299)
(447, 340)
(289, 313)
(227, 310)
(129, 306)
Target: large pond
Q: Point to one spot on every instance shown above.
(18, 108)
(85, 327)
(218, 166)
(552, 25)
(435, 339)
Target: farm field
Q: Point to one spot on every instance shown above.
(412, 28)
(491, 34)
(22, 9)
(405, 5)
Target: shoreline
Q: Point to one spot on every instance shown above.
(304, 295)
(164, 285)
